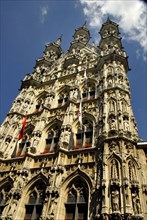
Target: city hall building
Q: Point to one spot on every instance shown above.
(69, 146)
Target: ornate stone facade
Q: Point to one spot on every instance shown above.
(64, 168)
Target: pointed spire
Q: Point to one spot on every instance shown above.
(58, 41)
(85, 25)
(108, 19)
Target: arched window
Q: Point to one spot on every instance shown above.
(124, 106)
(63, 98)
(24, 143)
(89, 91)
(53, 138)
(40, 101)
(35, 202)
(77, 201)
(84, 136)
(4, 197)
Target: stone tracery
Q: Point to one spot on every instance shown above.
(58, 156)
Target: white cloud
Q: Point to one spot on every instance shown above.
(44, 12)
(129, 14)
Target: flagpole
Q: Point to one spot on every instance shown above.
(80, 117)
(85, 78)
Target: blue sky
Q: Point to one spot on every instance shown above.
(26, 26)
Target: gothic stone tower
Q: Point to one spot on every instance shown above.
(69, 145)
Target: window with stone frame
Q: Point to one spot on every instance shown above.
(40, 101)
(5, 128)
(77, 201)
(84, 137)
(25, 142)
(88, 91)
(63, 98)
(34, 205)
(53, 138)
(124, 106)
(112, 105)
(4, 197)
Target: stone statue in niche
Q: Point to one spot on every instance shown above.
(129, 148)
(113, 147)
(136, 202)
(35, 141)
(112, 106)
(12, 208)
(49, 100)
(112, 123)
(115, 199)
(110, 68)
(19, 182)
(97, 203)
(65, 136)
(110, 80)
(75, 93)
(126, 125)
(53, 206)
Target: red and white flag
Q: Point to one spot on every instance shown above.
(20, 136)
